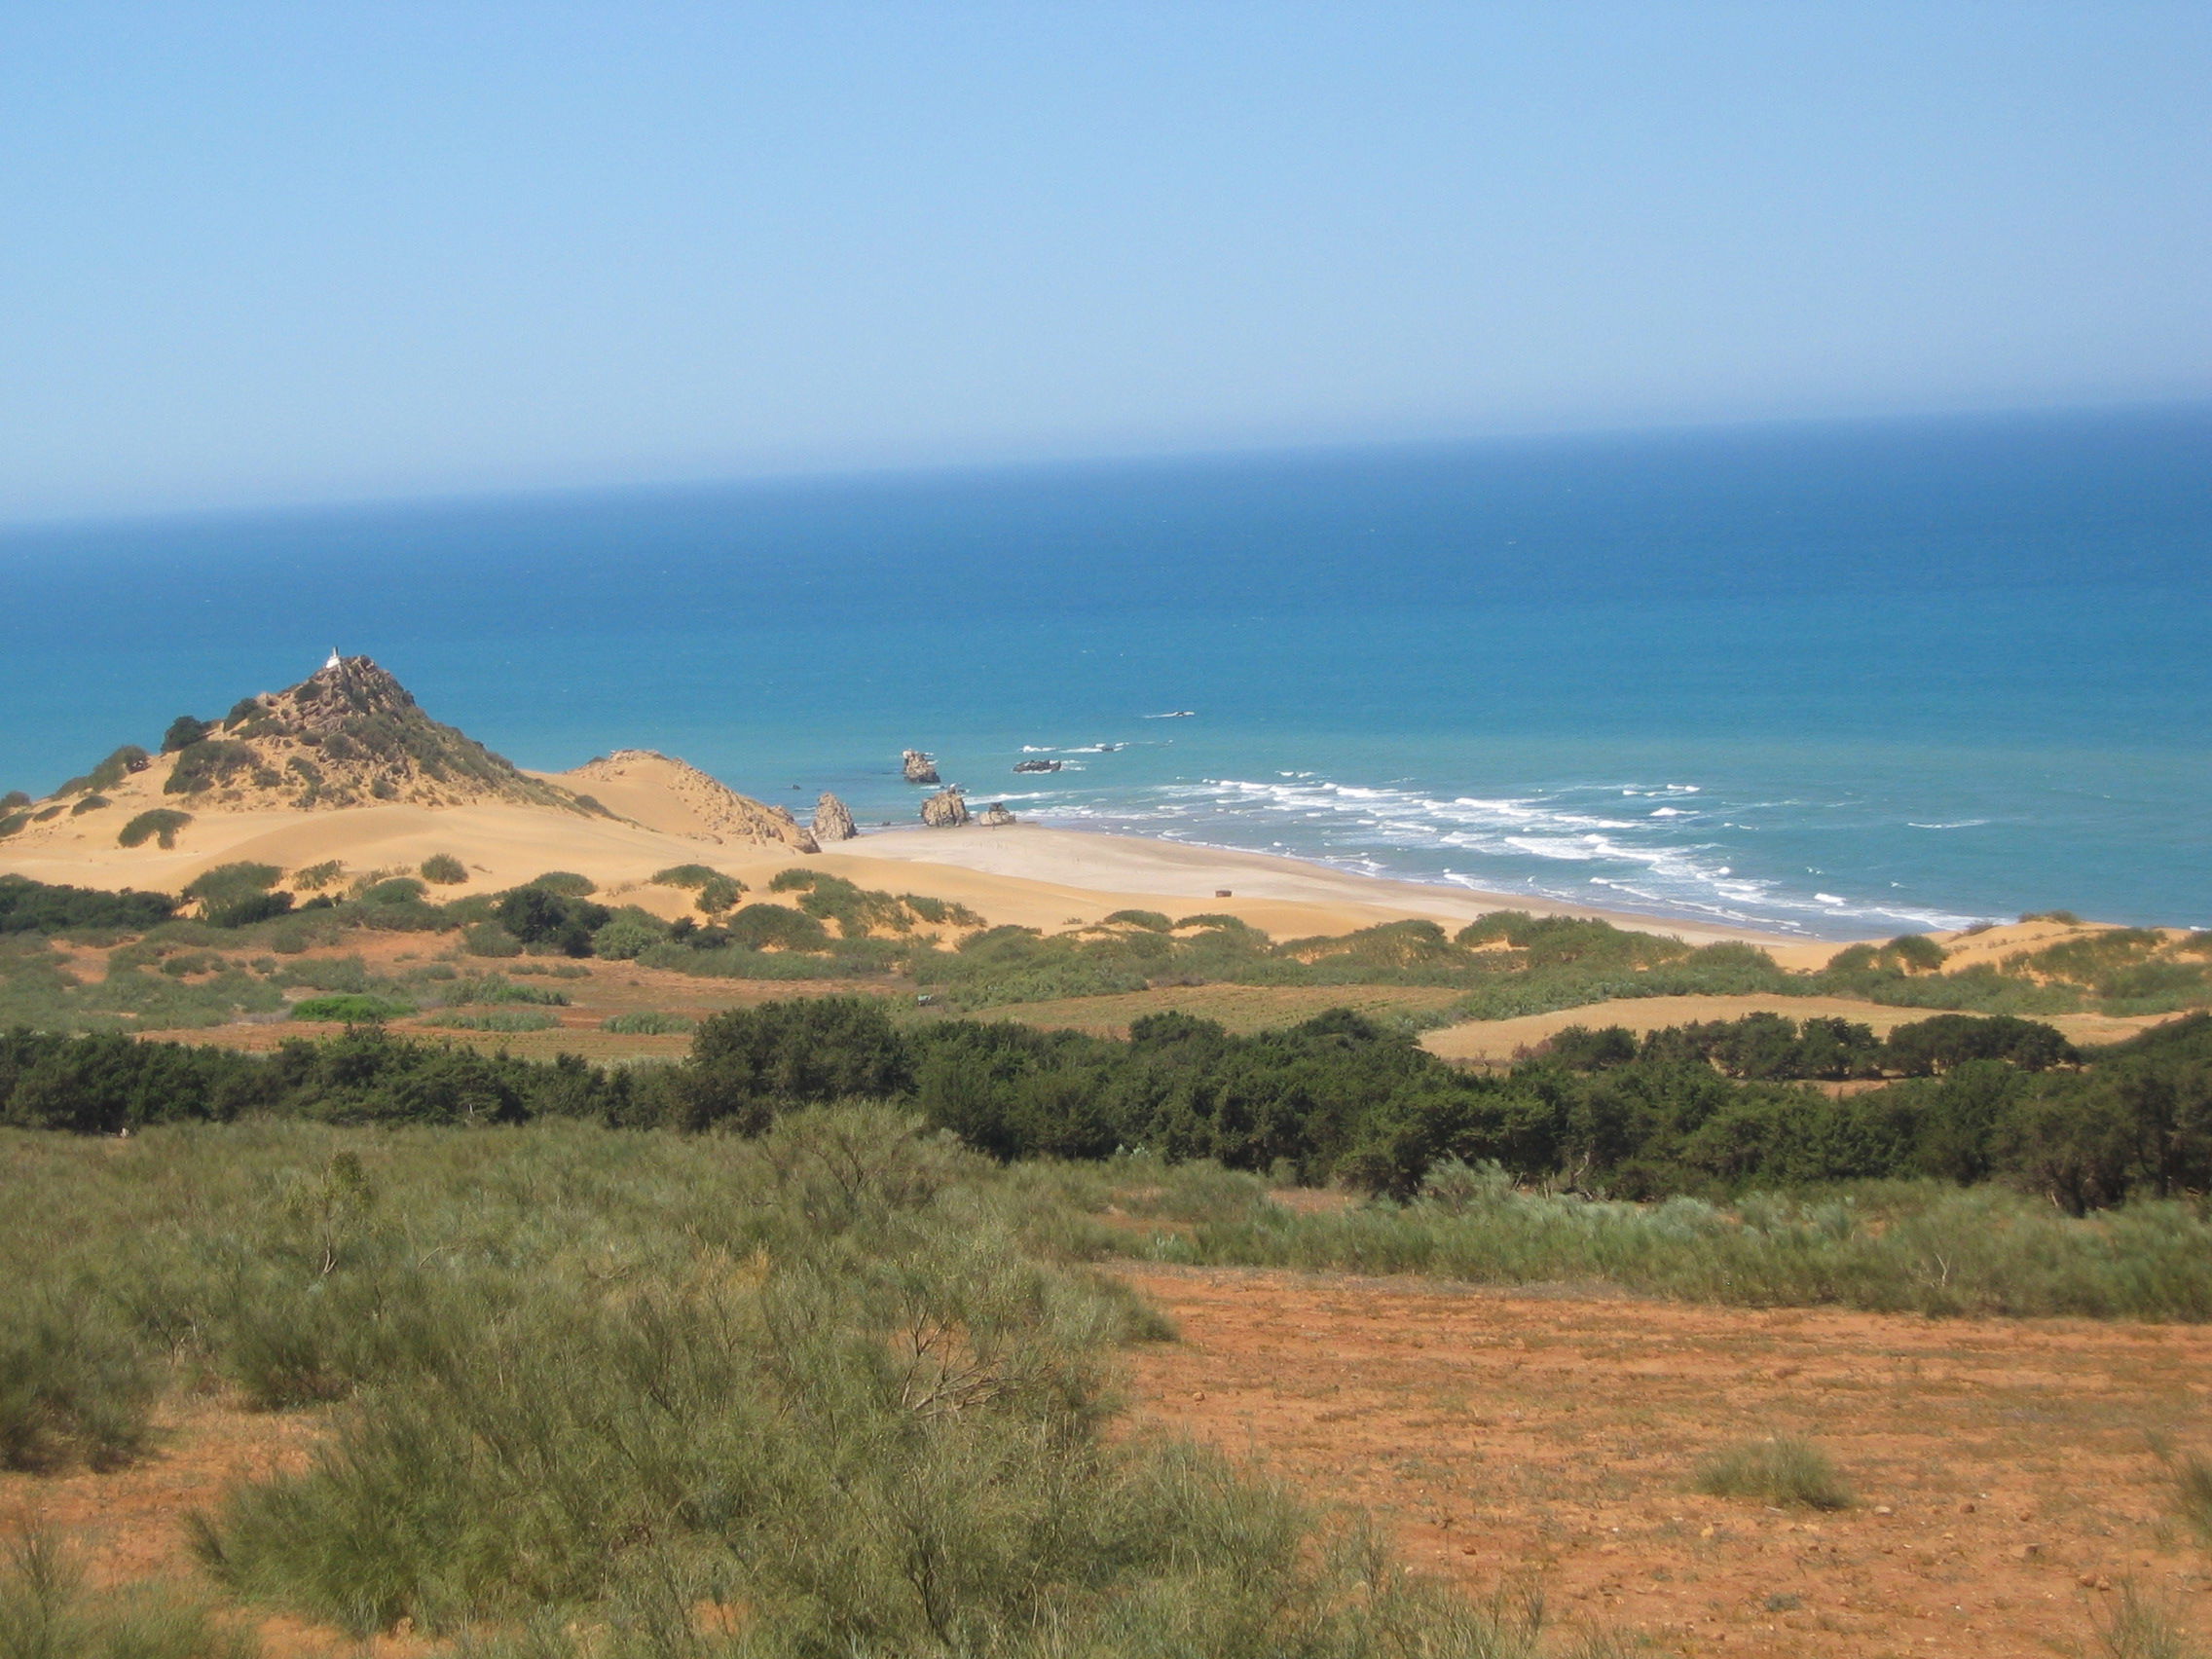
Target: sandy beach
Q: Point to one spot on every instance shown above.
(1024, 874)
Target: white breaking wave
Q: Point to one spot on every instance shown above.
(1649, 861)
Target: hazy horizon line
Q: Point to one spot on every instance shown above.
(1100, 458)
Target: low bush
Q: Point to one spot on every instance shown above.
(538, 916)
(160, 824)
(496, 1020)
(316, 877)
(630, 931)
(443, 870)
(213, 763)
(47, 1611)
(108, 773)
(493, 988)
(244, 911)
(354, 1008)
(184, 731)
(566, 883)
(718, 894)
(690, 877)
(836, 1392)
(648, 1023)
(1784, 1471)
(489, 939)
(228, 881)
(37, 906)
(90, 803)
(73, 1386)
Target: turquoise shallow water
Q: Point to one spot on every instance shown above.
(1829, 678)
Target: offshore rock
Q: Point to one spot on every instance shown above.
(832, 821)
(995, 815)
(919, 768)
(948, 809)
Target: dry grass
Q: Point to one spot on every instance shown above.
(1785, 1470)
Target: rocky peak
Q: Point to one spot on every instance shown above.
(948, 809)
(832, 821)
(347, 735)
(916, 767)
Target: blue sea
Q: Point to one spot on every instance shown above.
(1837, 680)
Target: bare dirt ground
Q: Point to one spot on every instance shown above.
(2006, 1484)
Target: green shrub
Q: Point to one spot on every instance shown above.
(1785, 1470)
(90, 803)
(13, 822)
(493, 988)
(47, 1612)
(551, 921)
(317, 876)
(648, 1023)
(184, 731)
(835, 1391)
(108, 773)
(566, 883)
(14, 800)
(211, 764)
(718, 893)
(73, 1386)
(1152, 921)
(355, 1009)
(489, 939)
(497, 1019)
(692, 876)
(35, 907)
(247, 909)
(443, 870)
(630, 931)
(774, 927)
(230, 881)
(160, 825)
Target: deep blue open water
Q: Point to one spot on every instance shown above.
(1835, 679)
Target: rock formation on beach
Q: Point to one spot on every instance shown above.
(919, 768)
(832, 821)
(713, 810)
(948, 809)
(995, 815)
(349, 735)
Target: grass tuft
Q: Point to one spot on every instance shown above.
(1785, 1470)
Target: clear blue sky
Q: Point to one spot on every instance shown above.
(278, 252)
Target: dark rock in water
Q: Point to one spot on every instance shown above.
(919, 768)
(995, 815)
(948, 809)
(1036, 765)
(832, 822)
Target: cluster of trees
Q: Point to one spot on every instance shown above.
(1336, 1098)
(1773, 1048)
(43, 907)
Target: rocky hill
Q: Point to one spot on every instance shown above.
(350, 735)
